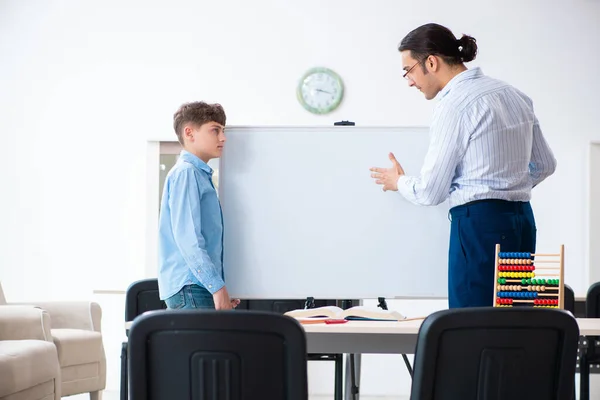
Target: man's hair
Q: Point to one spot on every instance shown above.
(437, 40)
(198, 113)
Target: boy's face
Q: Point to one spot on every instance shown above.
(205, 141)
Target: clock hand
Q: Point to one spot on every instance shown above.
(321, 90)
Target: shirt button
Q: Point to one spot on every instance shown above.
(209, 286)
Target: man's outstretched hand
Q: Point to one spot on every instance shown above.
(388, 177)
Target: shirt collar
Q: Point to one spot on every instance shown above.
(463, 76)
(195, 161)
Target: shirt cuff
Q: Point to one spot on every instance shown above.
(213, 285)
(403, 188)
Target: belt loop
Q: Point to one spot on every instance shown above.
(467, 210)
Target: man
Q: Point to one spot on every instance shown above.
(486, 153)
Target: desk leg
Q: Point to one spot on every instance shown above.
(124, 385)
(584, 376)
(339, 378)
(352, 377)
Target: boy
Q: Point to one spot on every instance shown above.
(191, 224)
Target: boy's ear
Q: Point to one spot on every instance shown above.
(187, 132)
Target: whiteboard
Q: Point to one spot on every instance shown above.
(303, 217)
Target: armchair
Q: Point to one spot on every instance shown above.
(29, 368)
(75, 330)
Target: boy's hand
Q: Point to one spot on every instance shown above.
(222, 300)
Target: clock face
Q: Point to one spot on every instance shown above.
(320, 90)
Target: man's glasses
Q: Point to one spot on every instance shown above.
(405, 76)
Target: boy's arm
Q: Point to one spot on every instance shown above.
(184, 203)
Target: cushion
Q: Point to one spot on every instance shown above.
(26, 363)
(77, 346)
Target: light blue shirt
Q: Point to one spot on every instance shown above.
(190, 229)
(485, 143)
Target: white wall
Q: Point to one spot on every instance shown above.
(84, 85)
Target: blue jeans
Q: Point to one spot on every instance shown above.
(191, 296)
(475, 230)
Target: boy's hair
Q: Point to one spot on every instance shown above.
(198, 113)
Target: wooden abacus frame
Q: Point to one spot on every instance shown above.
(556, 258)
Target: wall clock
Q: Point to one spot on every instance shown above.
(320, 90)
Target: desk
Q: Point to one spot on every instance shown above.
(364, 337)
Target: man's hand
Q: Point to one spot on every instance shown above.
(235, 303)
(388, 177)
(222, 300)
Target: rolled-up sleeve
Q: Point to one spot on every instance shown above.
(446, 148)
(543, 162)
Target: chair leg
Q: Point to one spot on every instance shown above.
(124, 385)
(97, 395)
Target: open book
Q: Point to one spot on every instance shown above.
(353, 313)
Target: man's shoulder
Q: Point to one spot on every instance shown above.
(477, 92)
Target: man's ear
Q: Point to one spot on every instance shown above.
(432, 63)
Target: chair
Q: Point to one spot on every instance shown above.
(569, 305)
(141, 296)
(29, 368)
(76, 333)
(591, 354)
(496, 354)
(218, 355)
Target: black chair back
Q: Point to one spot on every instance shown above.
(592, 301)
(217, 355)
(142, 296)
(496, 354)
(569, 299)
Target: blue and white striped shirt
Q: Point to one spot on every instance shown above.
(485, 143)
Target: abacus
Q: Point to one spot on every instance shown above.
(521, 281)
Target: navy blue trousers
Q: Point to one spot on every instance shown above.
(475, 230)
